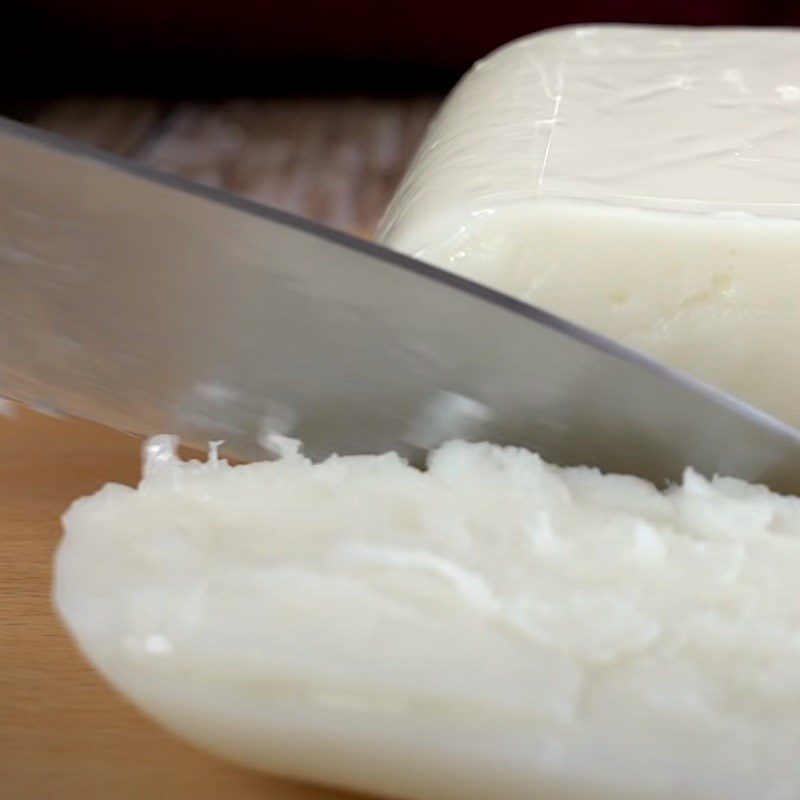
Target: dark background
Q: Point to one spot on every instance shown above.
(224, 47)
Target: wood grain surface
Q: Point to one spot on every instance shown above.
(65, 735)
(335, 160)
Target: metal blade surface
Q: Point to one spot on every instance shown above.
(153, 305)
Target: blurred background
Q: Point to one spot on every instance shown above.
(314, 106)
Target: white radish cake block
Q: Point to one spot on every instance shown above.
(642, 181)
(494, 627)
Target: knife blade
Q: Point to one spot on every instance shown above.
(151, 304)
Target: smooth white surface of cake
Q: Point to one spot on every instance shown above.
(642, 181)
(493, 627)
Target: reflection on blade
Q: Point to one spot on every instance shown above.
(153, 305)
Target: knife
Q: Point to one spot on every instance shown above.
(151, 304)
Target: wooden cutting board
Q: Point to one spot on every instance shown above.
(64, 734)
